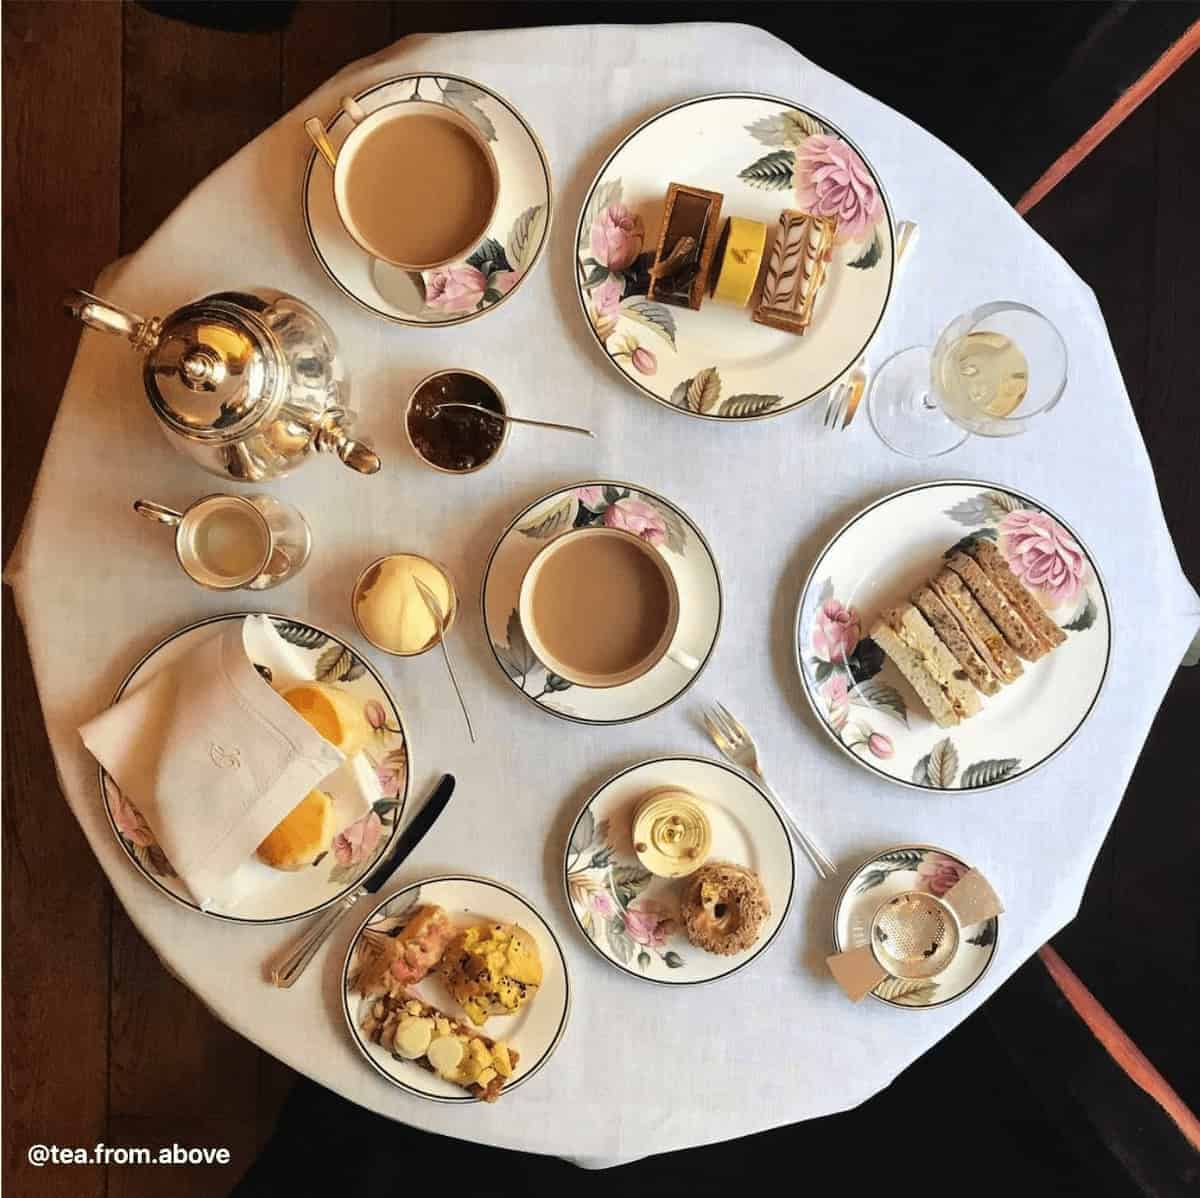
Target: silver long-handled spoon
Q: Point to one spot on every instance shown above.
(435, 610)
(561, 428)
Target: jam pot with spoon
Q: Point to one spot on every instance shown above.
(247, 383)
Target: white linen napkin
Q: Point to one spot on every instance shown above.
(212, 757)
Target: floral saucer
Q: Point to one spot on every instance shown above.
(892, 872)
(481, 282)
(629, 916)
(764, 154)
(534, 1031)
(615, 505)
(275, 896)
(875, 560)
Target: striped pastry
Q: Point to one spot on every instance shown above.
(796, 270)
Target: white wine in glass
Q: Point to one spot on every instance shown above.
(991, 372)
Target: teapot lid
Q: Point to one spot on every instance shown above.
(214, 371)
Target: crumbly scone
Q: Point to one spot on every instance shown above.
(942, 620)
(977, 626)
(1003, 614)
(991, 562)
(723, 908)
(413, 1030)
(918, 677)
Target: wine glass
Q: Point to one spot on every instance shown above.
(991, 372)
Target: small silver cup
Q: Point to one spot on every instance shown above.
(234, 542)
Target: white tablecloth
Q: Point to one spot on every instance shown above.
(642, 1069)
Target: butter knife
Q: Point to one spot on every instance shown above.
(290, 966)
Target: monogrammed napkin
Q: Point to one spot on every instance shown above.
(212, 757)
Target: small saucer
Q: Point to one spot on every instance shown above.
(629, 916)
(479, 283)
(615, 505)
(893, 872)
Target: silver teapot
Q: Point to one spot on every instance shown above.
(247, 383)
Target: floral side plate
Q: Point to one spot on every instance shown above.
(270, 895)
(520, 228)
(892, 872)
(629, 916)
(614, 505)
(763, 154)
(876, 560)
(534, 1031)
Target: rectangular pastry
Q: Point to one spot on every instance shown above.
(796, 269)
(686, 246)
(415, 1031)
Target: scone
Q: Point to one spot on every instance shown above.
(492, 969)
(723, 908)
(301, 837)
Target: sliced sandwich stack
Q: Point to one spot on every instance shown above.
(965, 632)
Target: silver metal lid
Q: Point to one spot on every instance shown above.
(214, 372)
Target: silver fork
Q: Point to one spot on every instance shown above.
(737, 745)
(842, 403)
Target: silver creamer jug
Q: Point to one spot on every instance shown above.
(247, 383)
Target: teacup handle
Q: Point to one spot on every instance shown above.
(353, 109)
(156, 512)
(686, 660)
(316, 134)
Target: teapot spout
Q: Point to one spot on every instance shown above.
(111, 318)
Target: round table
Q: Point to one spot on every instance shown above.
(642, 1069)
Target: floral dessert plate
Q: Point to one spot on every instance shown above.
(764, 154)
(888, 874)
(603, 502)
(534, 1031)
(268, 895)
(629, 916)
(479, 283)
(875, 561)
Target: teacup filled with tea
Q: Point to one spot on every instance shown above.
(599, 607)
(414, 182)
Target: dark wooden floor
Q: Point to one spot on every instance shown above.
(111, 113)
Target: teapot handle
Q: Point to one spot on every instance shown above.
(110, 318)
(157, 512)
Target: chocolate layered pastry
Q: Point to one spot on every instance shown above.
(796, 269)
(686, 246)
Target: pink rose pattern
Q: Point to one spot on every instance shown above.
(129, 820)
(617, 237)
(359, 840)
(1043, 555)
(938, 873)
(832, 180)
(836, 692)
(836, 631)
(454, 288)
(591, 497)
(647, 923)
(638, 517)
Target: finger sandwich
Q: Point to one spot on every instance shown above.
(1004, 615)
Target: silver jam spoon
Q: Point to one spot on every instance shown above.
(471, 407)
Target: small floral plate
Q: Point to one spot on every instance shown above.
(534, 1031)
(764, 154)
(614, 505)
(875, 561)
(629, 916)
(270, 895)
(520, 228)
(892, 872)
